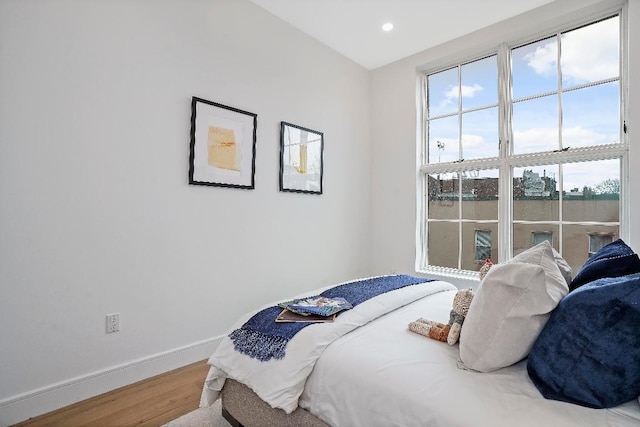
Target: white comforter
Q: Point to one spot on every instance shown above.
(281, 382)
(384, 375)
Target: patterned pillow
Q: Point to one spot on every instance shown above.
(613, 260)
(588, 351)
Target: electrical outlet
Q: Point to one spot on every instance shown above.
(113, 322)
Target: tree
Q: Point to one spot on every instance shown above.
(608, 186)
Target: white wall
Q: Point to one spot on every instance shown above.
(393, 107)
(95, 212)
(96, 215)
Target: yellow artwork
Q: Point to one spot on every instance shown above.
(223, 150)
(302, 168)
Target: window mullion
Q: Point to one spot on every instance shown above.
(460, 223)
(422, 213)
(625, 219)
(559, 73)
(505, 170)
(560, 143)
(460, 157)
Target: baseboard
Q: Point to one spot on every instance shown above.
(46, 399)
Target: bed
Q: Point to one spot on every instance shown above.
(368, 369)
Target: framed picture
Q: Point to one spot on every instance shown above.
(223, 145)
(300, 159)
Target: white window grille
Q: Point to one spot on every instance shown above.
(529, 137)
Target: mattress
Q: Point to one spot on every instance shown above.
(381, 374)
(384, 375)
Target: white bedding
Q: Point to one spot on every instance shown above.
(281, 382)
(384, 375)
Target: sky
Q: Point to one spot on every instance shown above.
(590, 113)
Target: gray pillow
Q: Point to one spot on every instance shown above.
(510, 308)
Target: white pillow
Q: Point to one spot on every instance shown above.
(510, 308)
(565, 268)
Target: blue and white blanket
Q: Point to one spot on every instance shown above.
(280, 382)
(264, 339)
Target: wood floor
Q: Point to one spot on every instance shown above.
(152, 402)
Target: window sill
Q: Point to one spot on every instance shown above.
(450, 273)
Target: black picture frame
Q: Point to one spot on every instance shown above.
(223, 145)
(301, 159)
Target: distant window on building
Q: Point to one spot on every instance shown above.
(483, 245)
(598, 241)
(541, 236)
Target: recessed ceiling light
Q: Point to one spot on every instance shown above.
(387, 27)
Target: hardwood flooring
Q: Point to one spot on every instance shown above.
(152, 402)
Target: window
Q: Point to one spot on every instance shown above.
(541, 236)
(597, 241)
(483, 245)
(526, 143)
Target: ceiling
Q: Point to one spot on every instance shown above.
(354, 27)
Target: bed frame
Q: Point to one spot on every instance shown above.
(242, 407)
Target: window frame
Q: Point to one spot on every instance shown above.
(489, 247)
(506, 162)
(534, 234)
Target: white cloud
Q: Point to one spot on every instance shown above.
(588, 54)
(591, 53)
(467, 91)
(472, 141)
(476, 147)
(544, 59)
(545, 139)
(578, 136)
(470, 91)
(590, 174)
(535, 139)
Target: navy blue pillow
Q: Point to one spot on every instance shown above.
(613, 260)
(588, 353)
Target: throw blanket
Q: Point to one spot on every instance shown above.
(280, 382)
(264, 339)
